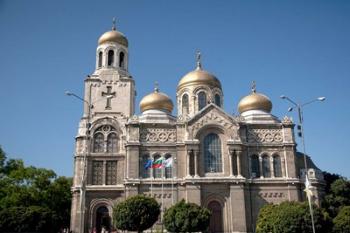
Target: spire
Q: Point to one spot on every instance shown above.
(198, 59)
(113, 24)
(254, 87)
(156, 87)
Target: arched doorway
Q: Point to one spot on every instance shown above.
(216, 224)
(103, 221)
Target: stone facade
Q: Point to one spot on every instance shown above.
(112, 144)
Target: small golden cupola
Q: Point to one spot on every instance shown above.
(255, 101)
(156, 101)
(113, 36)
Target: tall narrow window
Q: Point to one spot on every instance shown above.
(110, 58)
(97, 172)
(217, 100)
(202, 100)
(266, 166)
(121, 60)
(145, 166)
(212, 153)
(112, 143)
(98, 143)
(100, 59)
(277, 166)
(255, 166)
(168, 166)
(185, 107)
(111, 173)
(157, 171)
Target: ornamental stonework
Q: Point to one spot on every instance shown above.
(158, 135)
(265, 136)
(272, 195)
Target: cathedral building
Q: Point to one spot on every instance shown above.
(231, 164)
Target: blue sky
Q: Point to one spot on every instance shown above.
(297, 48)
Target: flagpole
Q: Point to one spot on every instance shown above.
(162, 207)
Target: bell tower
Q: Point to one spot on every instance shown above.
(111, 89)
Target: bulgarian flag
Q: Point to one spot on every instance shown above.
(158, 163)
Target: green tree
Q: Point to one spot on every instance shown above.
(337, 197)
(291, 217)
(32, 199)
(186, 217)
(342, 221)
(136, 213)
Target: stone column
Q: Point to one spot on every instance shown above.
(231, 153)
(196, 155)
(188, 163)
(239, 153)
(261, 167)
(272, 169)
(283, 167)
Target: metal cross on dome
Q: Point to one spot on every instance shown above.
(109, 95)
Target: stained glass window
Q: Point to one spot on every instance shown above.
(112, 143)
(169, 169)
(110, 58)
(212, 153)
(217, 100)
(277, 166)
(266, 166)
(97, 172)
(121, 60)
(185, 107)
(202, 100)
(111, 173)
(100, 59)
(98, 142)
(255, 166)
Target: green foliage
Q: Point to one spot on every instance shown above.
(291, 217)
(186, 217)
(342, 221)
(136, 213)
(32, 199)
(338, 196)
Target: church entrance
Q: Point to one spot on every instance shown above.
(103, 221)
(216, 224)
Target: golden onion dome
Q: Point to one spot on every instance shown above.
(113, 36)
(255, 101)
(199, 77)
(156, 100)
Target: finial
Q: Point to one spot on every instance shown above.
(156, 86)
(198, 59)
(113, 24)
(254, 87)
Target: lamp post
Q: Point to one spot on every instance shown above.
(299, 107)
(87, 151)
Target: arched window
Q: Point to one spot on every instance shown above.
(145, 166)
(185, 108)
(217, 100)
(212, 153)
(110, 58)
(157, 171)
(266, 166)
(112, 143)
(168, 163)
(202, 100)
(255, 166)
(98, 142)
(100, 59)
(121, 60)
(277, 166)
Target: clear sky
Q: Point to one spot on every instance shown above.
(297, 48)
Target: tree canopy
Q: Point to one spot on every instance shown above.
(136, 213)
(32, 199)
(291, 217)
(342, 221)
(186, 217)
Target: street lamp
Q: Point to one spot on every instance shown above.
(299, 107)
(87, 150)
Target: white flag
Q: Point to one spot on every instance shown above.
(307, 188)
(168, 162)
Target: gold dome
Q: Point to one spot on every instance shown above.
(199, 77)
(113, 36)
(255, 101)
(156, 100)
